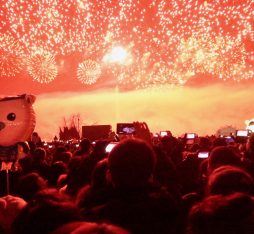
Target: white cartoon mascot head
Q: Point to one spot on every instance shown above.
(17, 119)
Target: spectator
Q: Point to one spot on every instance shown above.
(28, 185)
(220, 141)
(248, 155)
(89, 228)
(220, 214)
(204, 144)
(56, 170)
(84, 170)
(165, 172)
(36, 139)
(10, 206)
(72, 179)
(39, 164)
(64, 157)
(135, 204)
(228, 179)
(99, 191)
(220, 156)
(85, 148)
(189, 174)
(45, 213)
(25, 165)
(172, 148)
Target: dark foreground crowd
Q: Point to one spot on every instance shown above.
(144, 185)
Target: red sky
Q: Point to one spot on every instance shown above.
(198, 55)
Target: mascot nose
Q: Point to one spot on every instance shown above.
(2, 126)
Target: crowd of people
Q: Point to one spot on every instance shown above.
(145, 184)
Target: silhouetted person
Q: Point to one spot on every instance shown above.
(220, 141)
(64, 157)
(83, 172)
(89, 228)
(45, 213)
(135, 204)
(39, 164)
(228, 179)
(10, 206)
(85, 148)
(172, 148)
(99, 191)
(232, 214)
(165, 172)
(28, 185)
(221, 156)
(36, 139)
(248, 155)
(56, 170)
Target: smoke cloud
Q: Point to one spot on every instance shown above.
(201, 110)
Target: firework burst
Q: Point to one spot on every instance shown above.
(11, 56)
(186, 37)
(88, 72)
(42, 67)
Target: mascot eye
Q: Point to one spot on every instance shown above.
(11, 116)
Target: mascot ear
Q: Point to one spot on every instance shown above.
(30, 98)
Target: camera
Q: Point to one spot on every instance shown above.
(125, 128)
(110, 146)
(203, 154)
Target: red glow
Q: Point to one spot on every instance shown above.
(166, 42)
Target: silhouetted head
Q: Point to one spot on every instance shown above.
(90, 228)
(39, 155)
(10, 207)
(131, 163)
(85, 145)
(45, 213)
(220, 214)
(220, 141)
(220, 156)
(228, 179)
(30, 184)
(64, 157)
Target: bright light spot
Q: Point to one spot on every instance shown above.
(165, 42)
(117, 55)
(250, 124)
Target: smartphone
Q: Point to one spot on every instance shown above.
(242, 133)
(229, 139)
(163, 133)
(203, 154)
(190, 135)
(125, 128)
(110, 146)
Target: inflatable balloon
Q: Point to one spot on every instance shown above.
(250, 124)
(17, 119)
